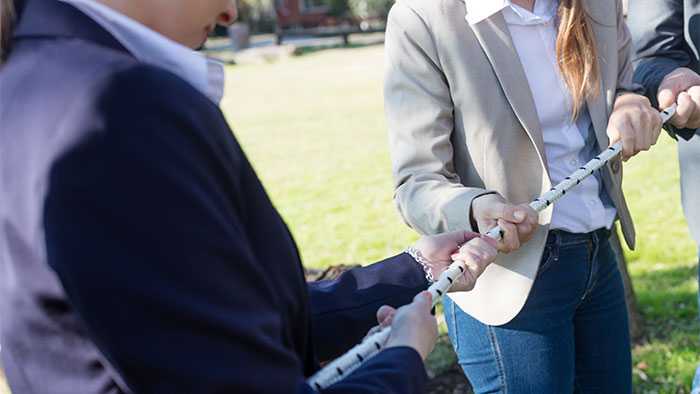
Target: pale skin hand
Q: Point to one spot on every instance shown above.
(413, 325)
(634, 122)
(682, 86)
(441, 250)
(518, 222)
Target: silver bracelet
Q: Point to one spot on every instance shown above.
(424, 263)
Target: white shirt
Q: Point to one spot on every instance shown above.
(151, 47)
(568, 145)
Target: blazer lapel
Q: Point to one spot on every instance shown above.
(597, 106)
(495, 40)
(599, 119)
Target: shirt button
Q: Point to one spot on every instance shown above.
(573, 162)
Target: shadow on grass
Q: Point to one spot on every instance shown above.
(666, 357)
(308, 50)
(668, 296)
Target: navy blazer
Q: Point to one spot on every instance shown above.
(140, 253)
(666, 36)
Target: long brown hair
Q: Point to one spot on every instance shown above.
(577, 53)
(7, 21)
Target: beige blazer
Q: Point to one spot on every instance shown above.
(462, 121)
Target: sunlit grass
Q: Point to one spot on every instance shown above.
(314, 128)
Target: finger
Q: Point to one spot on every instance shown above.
(524, 232)
(423, 301)
(462, 237)
(514, 214)
(478, 244)
(384, 313)
(487, 252)
(628, 143)
(510, 241)
(532, 215)
(642, 124)
(656, 129)
(667, 95)
(388, 320)
(694, 119)
(683, 111)
(372, 331)
(613, 134)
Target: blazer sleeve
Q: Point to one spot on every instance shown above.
(419, 113)
(625, 80)
(139, 229)
(658, 31)
(344, 309)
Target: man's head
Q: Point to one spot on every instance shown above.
(185, 21)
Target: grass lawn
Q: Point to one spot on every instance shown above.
(314, 129)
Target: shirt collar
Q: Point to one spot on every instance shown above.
(149, 46)
(479, 10)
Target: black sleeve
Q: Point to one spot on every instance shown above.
(139, 229)
(344, 309)
(657, 28)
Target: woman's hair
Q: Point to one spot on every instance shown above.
(7, 22)
(577, 54)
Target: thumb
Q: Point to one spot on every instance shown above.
(385, 314)
(514, 214)
(423, 301)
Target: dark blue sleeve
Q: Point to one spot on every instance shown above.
(169, 290)
(660, 46)
(344, 309)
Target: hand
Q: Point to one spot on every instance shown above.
(635, 122)
(518, 222)
(682, 86)
(441, 250)
(414, 326)
(476, 254)
(385, 316)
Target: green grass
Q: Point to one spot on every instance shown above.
(314, 129)
(664, 270)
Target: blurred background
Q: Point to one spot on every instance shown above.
(304, 97)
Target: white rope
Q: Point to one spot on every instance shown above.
(373, 344)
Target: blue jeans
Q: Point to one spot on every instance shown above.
(572, 335)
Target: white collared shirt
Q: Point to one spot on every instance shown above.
(568, 145)
(151, 47)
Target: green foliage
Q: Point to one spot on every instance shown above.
(338, 8)
(258, 14)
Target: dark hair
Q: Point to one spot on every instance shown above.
(8, 11)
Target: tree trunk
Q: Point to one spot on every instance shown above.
(635, 318)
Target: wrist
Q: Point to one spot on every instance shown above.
(424, 263)
(472, 218)
(400, 343)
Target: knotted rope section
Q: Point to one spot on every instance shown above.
(373, 344)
